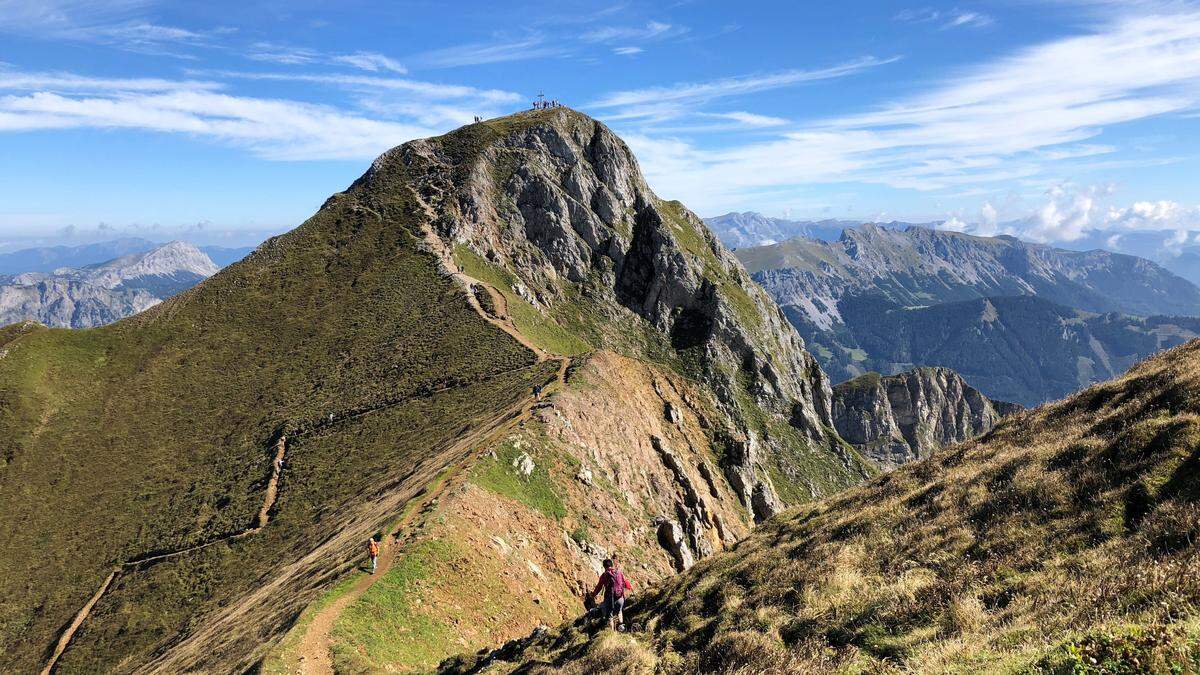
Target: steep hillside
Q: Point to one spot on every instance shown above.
(386, 352)
(1021, 349)
(1062, 541)
(900, 418)
(104, 292)
(919, 266)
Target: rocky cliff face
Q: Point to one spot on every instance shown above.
(66, 303)
(901, 418)
(102, 293)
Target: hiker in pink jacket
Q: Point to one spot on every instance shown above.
(614, 584)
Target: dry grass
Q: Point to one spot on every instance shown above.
(1066, 534)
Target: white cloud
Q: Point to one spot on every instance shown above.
(627, 51)
(272, 129)
(1066, 214)
(954, 225)
(988, 215)
(1159, 215)
(1071, 212)
(724, 122)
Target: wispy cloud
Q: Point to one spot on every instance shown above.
(371, 61)
(627, 51)
(945, 19)
(289, 55)
(479, 53)
(14, 80)
(272, 129)
(653, 101)
(651, 30)
(370, 82)
(277, 129)
(282, 54)
(117, 24)
(707, 123)
(750, 119)
(1006, 120)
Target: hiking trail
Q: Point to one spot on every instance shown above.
(315, 649)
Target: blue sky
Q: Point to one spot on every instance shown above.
(222, 121)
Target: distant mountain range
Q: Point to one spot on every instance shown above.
(739, 230)
(1176, 250)
(50, 258)
(886, 300)
(100, 293)
(919, 266)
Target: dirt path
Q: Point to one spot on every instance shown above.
(264, 515)
(316, 657)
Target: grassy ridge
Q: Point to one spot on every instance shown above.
(151, 434)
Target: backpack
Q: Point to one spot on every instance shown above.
(618, 582)
(374, 547)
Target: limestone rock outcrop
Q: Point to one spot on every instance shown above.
(901, 418)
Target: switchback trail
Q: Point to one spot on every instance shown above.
(270, 495)
(315, 649)
(264, 516)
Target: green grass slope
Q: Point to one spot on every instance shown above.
(1062, 542)
(154, 434)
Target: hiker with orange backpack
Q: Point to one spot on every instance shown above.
(373, 551)
(614, 584)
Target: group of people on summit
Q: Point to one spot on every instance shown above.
(613, 583)
(543, 104)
